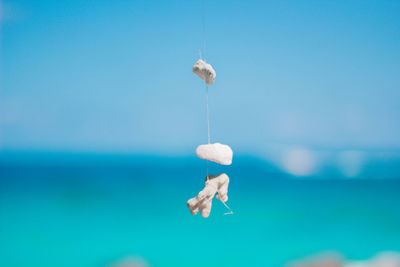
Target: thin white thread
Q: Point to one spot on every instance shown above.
(208, 123)
(230, 211)
(208, 117)
(203, 20)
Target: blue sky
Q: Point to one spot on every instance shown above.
(116, 75)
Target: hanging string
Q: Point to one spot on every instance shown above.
(203, 53)
(208, 124)
(208, 117)
(230, 211)
(203, 21)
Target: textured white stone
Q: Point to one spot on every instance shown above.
(216, 152)
(204, 71)
(203, 201)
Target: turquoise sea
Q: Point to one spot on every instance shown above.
(94, 210)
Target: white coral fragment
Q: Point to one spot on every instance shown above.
(219, 153)
(204, 71)
(203, 201)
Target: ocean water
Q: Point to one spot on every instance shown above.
(74, 210)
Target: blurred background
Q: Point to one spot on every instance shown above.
(100, 115)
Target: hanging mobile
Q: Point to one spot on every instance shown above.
(219, 153)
